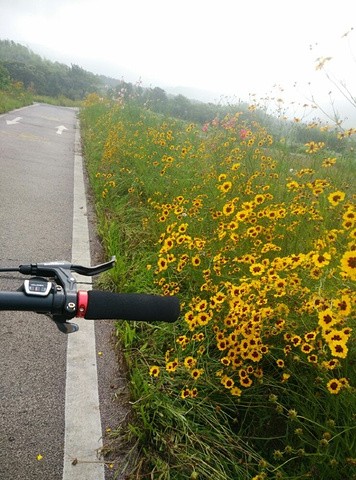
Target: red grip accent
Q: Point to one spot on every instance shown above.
(82, 303)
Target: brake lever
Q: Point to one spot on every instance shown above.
(90, 271)
(50, 269)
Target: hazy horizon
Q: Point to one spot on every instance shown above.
(231, 50)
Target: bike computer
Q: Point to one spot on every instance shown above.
(37, 286)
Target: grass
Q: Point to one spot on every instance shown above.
(61, 100)
(257, 238)
(15, 96)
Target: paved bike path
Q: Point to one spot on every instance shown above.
(37, 153)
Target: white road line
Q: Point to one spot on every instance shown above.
(82, 414)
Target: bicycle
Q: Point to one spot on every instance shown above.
(52, 290)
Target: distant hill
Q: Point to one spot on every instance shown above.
(198, 94)
(45, 77)
(113, 73)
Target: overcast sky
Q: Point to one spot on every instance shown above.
(230, 47)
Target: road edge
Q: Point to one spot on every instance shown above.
(83, 433)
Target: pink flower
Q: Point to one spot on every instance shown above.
(243, 133)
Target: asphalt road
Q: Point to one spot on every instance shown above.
(36, 222)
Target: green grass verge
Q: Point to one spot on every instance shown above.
(257, 378)
(14, 97)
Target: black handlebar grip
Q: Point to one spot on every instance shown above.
(131, 306)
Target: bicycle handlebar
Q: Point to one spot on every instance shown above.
(131, 306)
(61, 300)
(22, 302)
(100, 305)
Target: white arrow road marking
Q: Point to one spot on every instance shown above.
(60, 129)
(14, 121)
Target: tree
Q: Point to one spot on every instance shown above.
(4, 78)
(19, 72)
(181, 107)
